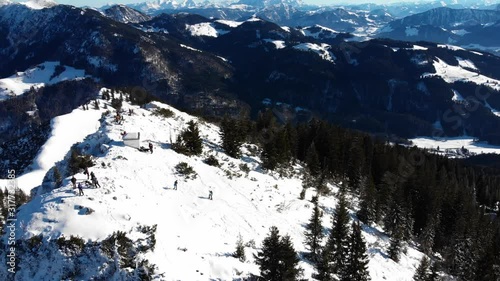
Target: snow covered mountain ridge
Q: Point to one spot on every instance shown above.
(195, 237)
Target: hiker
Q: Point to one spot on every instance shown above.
(123, 133)
(86, 172)
(92, 175)
(151, 147)
(80, 189)
(130, 112)
(175, 185)
(95, 182)
(73, 181)
(210, 193)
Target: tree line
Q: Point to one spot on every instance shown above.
(444, 205)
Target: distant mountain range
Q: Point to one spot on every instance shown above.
(219, 66)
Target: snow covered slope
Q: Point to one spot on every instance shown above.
(47, 73)
(195, 236)
(465, 72)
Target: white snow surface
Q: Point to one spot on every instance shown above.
(466, 63)
(451, 47)
(65, 131)
(230, 23)
(205, 29)
(190, 48)
(456, 143)
(321, 50)
(137, 189)
(278, 44)
(451, 74)
(37, 77)
(324, 31)
(457, 96)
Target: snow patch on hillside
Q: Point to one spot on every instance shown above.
(278, 44)
(319, 32)
(190, 48)
(451, 74)
(466, 63)
(38, 76)
(230, 23)
(457, 96)
(205, 29)
(450, 47)
(321, 50)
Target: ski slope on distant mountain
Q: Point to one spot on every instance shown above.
(47, 73)
(195, 236)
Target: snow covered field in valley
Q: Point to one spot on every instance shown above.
(476, 147)
(195, 236)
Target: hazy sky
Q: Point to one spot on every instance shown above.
(99, 3)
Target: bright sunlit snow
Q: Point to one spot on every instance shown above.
(230, 23)
(451, 74)
(278, 44)
(195, 236)
(38, 76)
(321, 50)
(456, 143)
(205, 29)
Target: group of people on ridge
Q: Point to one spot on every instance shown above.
(90, 175)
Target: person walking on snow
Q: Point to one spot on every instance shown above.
(73, 181)
(210, 193)
(95, 182)
(151, 147)
(86, 172)
(80, 189)
(175, 185)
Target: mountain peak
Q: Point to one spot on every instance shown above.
(267, 3)
(5, 2)
(39, 4)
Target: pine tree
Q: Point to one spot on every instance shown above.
(422, 272)
(277, 259)
(355, 164)
(232, 136)
(312, 160)
(367, 207)
(290, 260)
(428, 234)
(323, 266)
(314, 233)
(338, 243)
(193, 139)
(189, 141)
(240, 249)
(357, 265)
(396, 244)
